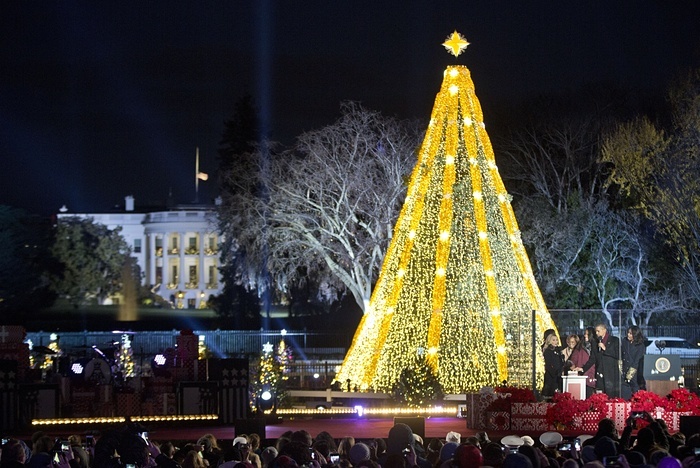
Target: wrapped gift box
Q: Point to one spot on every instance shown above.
(18, 352)
(618, 412)
(165, 404)
(497, 421)
(671, 418)
(12, 334)
(529, 417)
(476, 409)
(187, 347)
(588, 422)
(104, 393)
(128, 404)
(529, 409)
(530, 424)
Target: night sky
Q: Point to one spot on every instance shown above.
(99, 100)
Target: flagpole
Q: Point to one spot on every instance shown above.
(196, 177)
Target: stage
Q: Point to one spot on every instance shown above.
(359, 428)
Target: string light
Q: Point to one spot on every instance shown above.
(460, 255)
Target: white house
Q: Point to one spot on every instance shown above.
(177, 249)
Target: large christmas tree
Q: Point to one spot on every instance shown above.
(456, 284)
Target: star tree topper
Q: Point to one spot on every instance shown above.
(455, 43)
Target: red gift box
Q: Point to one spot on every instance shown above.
(529, 417)
(497, 421)
(618, 412)
(165, 404)
(588, 421)
(187, 347)
(18, 352)
(128, 404)
(529, 409)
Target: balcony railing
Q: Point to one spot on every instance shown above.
(194, 284)
(191, 251)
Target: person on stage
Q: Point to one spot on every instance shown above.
(553, 365)
(589, 344)
(632, 354)
(607, 366)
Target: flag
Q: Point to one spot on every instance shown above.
(232, 374)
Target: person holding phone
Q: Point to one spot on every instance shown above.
(80, 454)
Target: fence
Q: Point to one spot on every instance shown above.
(221, 343)
(574, 320)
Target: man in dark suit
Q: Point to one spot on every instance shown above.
(607, 366)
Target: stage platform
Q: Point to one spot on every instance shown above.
(360, 428)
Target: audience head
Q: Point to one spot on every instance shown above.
(516, 460)
(400, 436)
(447, 451)
(468, 456)
(13, 451)
(358, 452)
(453, 436)
(267, 455)
(605, 447)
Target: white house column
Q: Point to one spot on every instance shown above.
(181, 267)
(166, 265)
(200, 267)
(152, 259)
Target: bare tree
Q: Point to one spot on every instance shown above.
(657, 171)
(324, 211)
(581, 249)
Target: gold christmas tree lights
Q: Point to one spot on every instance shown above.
(456, 284)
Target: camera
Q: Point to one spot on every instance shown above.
(90, 441)
(335, 457)
(4, 441)
(577, 444)
(565, 446)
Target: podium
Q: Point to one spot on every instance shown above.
(576, 385)
(662, 372)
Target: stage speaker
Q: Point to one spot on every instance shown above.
(250, 426)
(416, 424)
(689, 425)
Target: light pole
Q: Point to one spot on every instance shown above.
(579, 288)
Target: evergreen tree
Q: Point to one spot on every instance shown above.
(241, 133)
(90, 258)
(24, 263)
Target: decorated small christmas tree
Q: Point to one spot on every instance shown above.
(456, 282)
(124, 358)
(265, 385)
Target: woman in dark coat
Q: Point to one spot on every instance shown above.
(632, 354)
(588, 369)
(553, 365)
